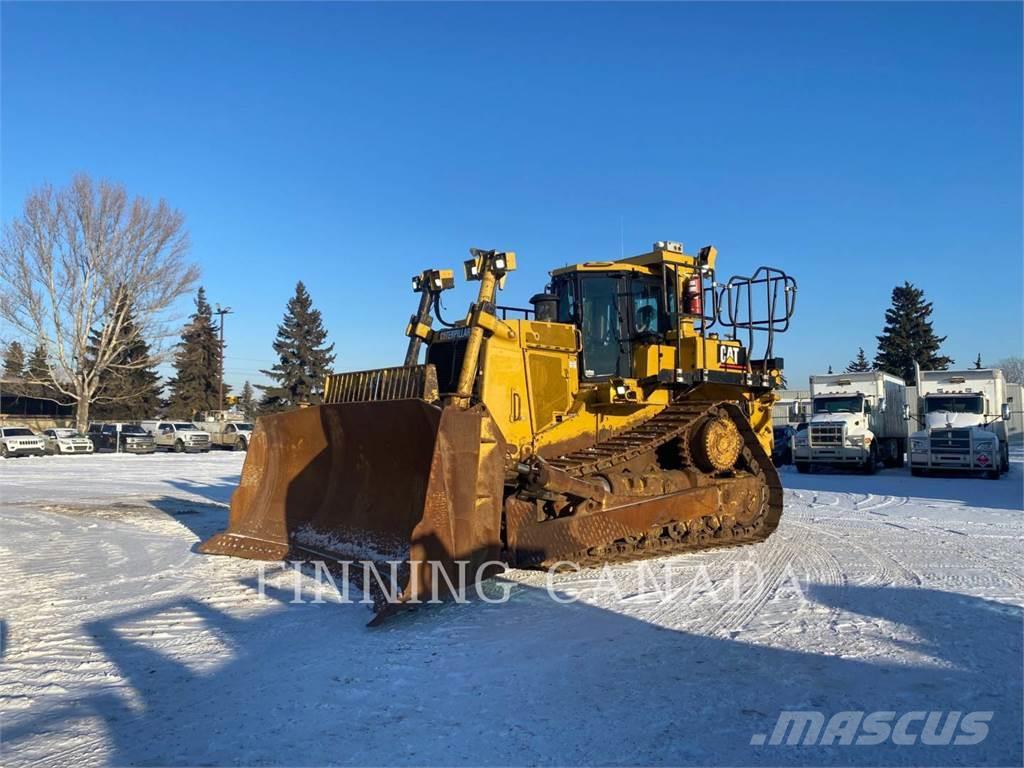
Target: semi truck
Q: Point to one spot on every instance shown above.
(961, 416)
(855, 420)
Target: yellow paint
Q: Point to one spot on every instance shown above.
(530, 371)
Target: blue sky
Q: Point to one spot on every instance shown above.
(350, 146)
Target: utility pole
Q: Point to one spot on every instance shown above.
(221, 312)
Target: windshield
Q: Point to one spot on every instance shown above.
(67, 433)
(243, 426)
(132, 429)
(182, 427)
(955, 404)
(840, 404)
(18, 432)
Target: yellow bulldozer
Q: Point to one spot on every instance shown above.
(622, 416)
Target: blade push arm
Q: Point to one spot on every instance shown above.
(490, 268)
(428, 284)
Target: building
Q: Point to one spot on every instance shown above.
(25, 405)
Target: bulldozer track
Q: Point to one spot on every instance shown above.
(675, 422)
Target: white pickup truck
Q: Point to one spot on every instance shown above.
(178, 436)
(227, 429)
(962, 417)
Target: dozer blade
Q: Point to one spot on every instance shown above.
(399, 480)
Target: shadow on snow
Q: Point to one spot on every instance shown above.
(534, 682)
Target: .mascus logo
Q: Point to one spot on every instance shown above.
(808, 728)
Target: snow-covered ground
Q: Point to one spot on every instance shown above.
(121, 645)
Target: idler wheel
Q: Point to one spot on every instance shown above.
(716, 444)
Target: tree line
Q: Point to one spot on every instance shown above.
(89, 278)
(908, 337)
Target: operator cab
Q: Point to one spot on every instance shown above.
(613, 310)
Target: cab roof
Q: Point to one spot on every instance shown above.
(646, 263)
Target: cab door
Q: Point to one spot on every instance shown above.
(602, 314)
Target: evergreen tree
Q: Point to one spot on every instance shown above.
(38, 381)
(129, 389)
(304, 358)
(908, 336)
(247, 401)
(859, 364)
(14, 361)
(977, 362)
(196, 381)
(38, 369)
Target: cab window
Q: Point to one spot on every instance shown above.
(648, 315)
(565, 289)
(604, 353)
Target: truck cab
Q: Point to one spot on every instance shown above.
(855, 421)
(962, 423)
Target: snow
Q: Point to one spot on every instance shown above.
(121, 645)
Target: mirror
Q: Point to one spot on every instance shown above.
(1005, 412)
(906, 411)
(881, 405)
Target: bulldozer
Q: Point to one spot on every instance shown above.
(623, 415)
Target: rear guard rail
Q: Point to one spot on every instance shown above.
(769, 312)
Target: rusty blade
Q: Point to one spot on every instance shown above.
(377, 481)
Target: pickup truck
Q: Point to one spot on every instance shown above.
(226, 429)
(178, 436)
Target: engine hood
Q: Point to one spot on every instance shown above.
(943, 420)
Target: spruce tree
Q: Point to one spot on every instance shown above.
(247, 401)
(196, 381)
(304, 357)
(37, 376)
(14, 361)
(908, 336)
(859, 364)
(129, 389)
(38, 369)
(977, 362)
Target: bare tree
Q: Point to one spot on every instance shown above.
(84, 260)
(1013, 369)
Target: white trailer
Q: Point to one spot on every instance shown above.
(855, 420)
(962, 418)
